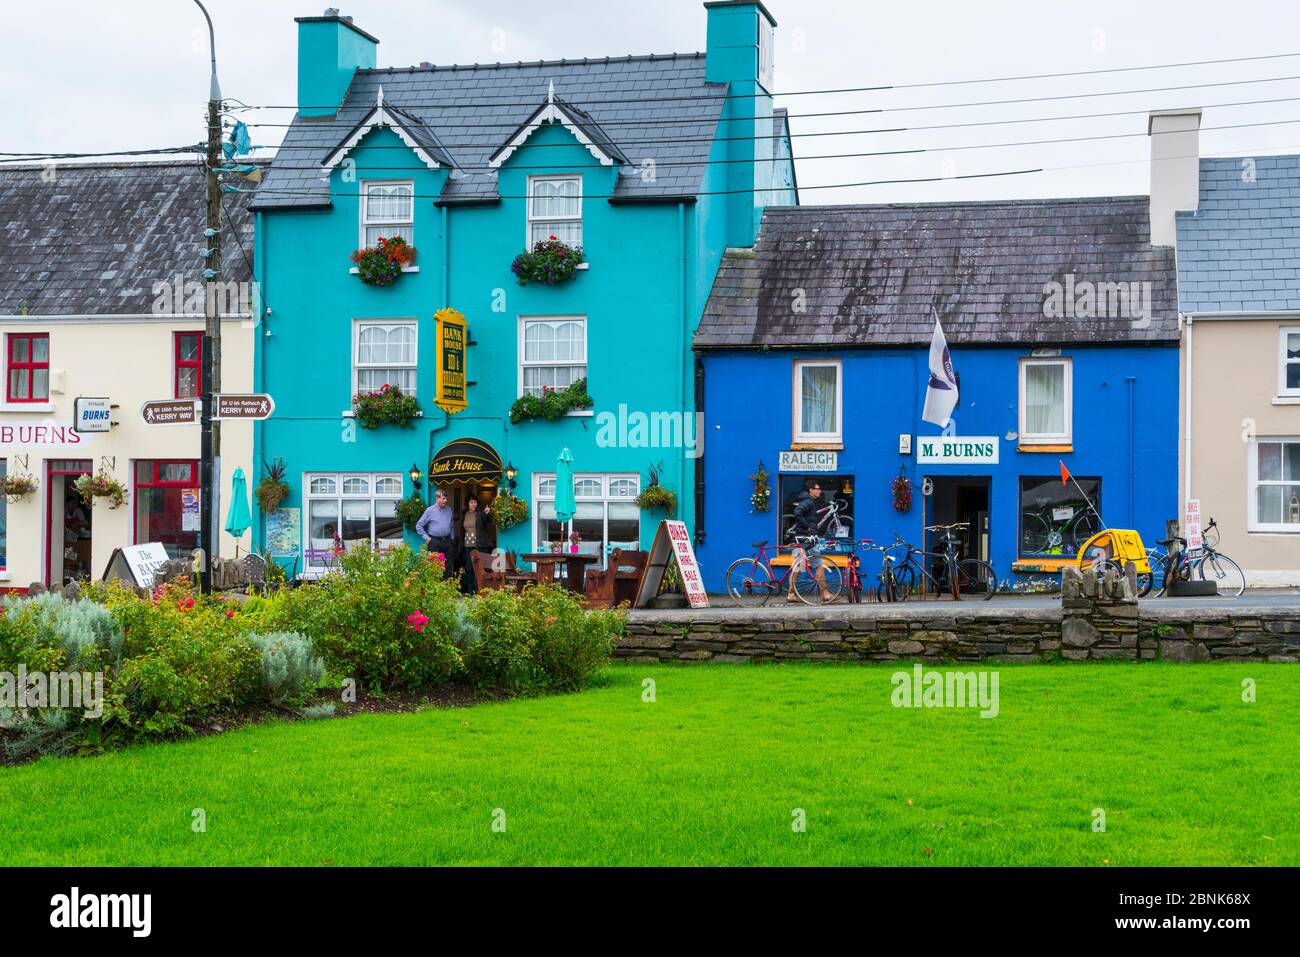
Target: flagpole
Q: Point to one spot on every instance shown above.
(1104, 526)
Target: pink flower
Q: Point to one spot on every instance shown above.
(185, 604)
(230, 614)
(417, 621)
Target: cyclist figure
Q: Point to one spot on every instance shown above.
(805, 525)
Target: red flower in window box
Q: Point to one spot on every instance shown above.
(382, 263)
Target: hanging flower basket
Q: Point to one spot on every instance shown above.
(272, 489)
(100, 485)
(550, 262)
(551, 405)
(381, 264)
(387, 406)
(760, 499)
(17, 487)
(411, 510)
(655, 496)
(902, 489)
(508, 511)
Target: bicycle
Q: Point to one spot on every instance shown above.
(957, 576)
(830, 516)
(752, 577)
(853, 577)
(1187, 564)
(1041, 533)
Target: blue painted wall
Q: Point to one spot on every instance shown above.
(747, 416)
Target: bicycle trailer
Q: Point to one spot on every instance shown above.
(1118, 545)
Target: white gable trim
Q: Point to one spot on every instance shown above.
(378, 117)
(550, 113)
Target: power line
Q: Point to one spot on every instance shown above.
(46, 157)
(462, 104)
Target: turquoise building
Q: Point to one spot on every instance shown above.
(654, 165)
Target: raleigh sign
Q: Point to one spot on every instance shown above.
(805, 461)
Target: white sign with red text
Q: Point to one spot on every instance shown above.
(1192, 523)
(692, 582)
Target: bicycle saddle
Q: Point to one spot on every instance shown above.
(760, 544)
(1169, 541)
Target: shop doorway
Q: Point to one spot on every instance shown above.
(960, 500)
(68, 529)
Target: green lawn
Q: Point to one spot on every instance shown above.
(709, 774)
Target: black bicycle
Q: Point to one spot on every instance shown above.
(964, 578)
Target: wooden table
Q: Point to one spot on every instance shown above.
(575, 567)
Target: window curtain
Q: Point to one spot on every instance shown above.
(819, 399)
(1045, 399)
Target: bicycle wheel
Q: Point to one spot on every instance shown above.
(1219, 568)
(748, 578)
(976, 580)
(809, 589)
(1035, 533)
(1075, 538)
(904, 582)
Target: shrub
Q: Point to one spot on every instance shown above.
(501, 655)
(84, 631)
(290, 667)
(358, 618)
(50, 732)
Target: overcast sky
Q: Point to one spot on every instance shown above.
(95, 75)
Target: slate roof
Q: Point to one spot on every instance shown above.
(869, 275)
(650, 107)
(95, 239)
(1240, 250)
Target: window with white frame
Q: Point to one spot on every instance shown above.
(1288, 374)
(553, 353)
(384, 353)
(555, 209)
(606, 516)
(818, 401)
(349, 509)
(387, 210)
(1046, 399)
(1274, 474)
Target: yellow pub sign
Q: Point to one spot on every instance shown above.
(452, 335)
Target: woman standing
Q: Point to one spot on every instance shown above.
(473, 534)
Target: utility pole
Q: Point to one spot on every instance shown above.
(210, 443)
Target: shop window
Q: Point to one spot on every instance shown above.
(554, 354)
(607, 514)
(1046, 399)
(384, 353)
(1289, 363)
(29, 367)
(1274, 476)
(555, 209)
(835, 508)
(818, 402)
(167, 505)
(359, 509)
(1055, 519)
(188, 351)
(387, 210)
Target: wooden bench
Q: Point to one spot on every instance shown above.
(619, 581)
(542, 572)
(485, 576)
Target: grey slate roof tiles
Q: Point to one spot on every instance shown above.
(649, 107)
(870, 275)
(1240, 250)
(95, 238)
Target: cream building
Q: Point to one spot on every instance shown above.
(94, 306)
(1236, 222)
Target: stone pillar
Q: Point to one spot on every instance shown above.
(1099, 615)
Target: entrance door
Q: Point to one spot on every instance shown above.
(960, 500)
(68, 518)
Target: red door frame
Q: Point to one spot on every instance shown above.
(50, 472)
(154, 482)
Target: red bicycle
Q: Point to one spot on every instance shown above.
(751, 578)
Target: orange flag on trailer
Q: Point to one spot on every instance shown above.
(1065, 475)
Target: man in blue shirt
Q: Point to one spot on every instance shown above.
(435, 527)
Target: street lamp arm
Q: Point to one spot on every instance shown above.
(214, 88)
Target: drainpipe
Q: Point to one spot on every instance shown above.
(259, 351)
(681, 339)
(1132, 381)
(1187, 438)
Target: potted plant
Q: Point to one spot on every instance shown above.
(760, 500)
(385, 406)
(382, 263)
(508, 511)
(552, 404)
(272, 489)
(100, 485)
(17, 487)
(670, 588)
(655, 496)
(549, 262)
(410, 510)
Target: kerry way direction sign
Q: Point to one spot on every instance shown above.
(189, 411)
(253, 406)
(170, 412)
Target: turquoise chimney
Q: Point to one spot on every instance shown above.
(330, 49)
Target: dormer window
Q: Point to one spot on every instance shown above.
(555, 209)
(387, 210)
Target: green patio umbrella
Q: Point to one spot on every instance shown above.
(240, 516)
(565, 507)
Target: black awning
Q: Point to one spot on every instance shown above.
(465, 460)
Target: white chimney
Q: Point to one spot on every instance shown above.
(1175, 169)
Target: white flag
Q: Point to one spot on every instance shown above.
(941, 393)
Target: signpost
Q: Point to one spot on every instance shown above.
(253, 406)
(91, 415)
(453, 334)
(170, 412)
(672, 540)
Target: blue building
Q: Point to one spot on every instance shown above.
(1062, 324)
(653, 165)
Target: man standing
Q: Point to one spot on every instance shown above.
(435, 527)
(806, 525)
